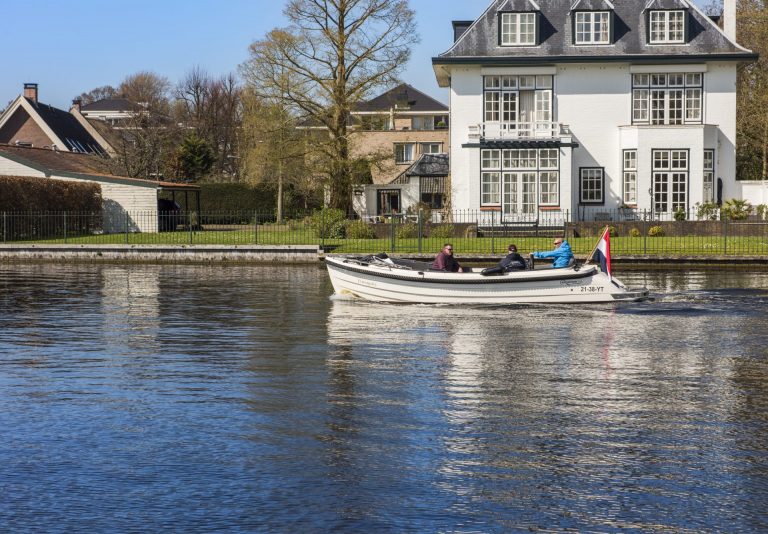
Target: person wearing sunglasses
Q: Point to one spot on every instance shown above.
(446, 262)
(561, 255)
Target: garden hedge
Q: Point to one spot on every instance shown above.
(24, 193)
(261, 199)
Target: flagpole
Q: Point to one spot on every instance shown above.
(600, 237)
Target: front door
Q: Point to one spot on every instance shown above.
(670, 180)
(519, 196)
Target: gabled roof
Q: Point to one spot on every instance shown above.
(427, 166)
(518, 6)
(61, 127)
(666, 4)
(430, 165)
(114, 105)
(592, 5)
(85, 166)
(404, 97)
(479, 43)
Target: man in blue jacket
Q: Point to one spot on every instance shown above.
(561, 256)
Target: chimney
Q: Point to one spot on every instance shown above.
(30, 91)
(76, 103)
(729, 19)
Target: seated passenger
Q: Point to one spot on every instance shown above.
(446, 262)
(511, 262)
(561, 256)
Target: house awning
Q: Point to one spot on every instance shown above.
(522, 143)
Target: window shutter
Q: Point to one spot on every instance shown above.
(686, 26)
(537, 18)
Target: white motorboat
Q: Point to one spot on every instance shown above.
(383, 279)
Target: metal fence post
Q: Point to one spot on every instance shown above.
(645, 232)
(255, 228)
(125, 222)
(392, 233)
(189, 225)
(65, 227)
(493, 232)
(421, 228)
(322, 229)
(725, 234)
(5, 226)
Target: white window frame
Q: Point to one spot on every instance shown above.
(666, 26)
(501, 103)
(423, 123)
(629, 180)
(401, 153)
(667, 99)
(708, 179)
(517, 29)
(592, 27)
(426, 148)
(670, 179)
(490, 188)
(591, 185)
(539, 168)
(549, 188)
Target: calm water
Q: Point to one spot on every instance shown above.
(210, 399)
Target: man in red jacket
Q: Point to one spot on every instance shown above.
(446, 262)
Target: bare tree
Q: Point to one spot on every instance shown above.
(273, 149)
(752, 92)
(335, 53)
(148, 89)
(212, 107)
(146, 147)
(99, 93)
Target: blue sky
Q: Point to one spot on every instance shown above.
(72, 47)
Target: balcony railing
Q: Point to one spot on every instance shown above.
(517, 130)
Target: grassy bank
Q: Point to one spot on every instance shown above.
(271, 235)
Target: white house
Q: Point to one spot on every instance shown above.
(578, 108)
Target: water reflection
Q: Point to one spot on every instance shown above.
(560, 408)
(204, 398)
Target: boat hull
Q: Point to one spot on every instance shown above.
(382, 283)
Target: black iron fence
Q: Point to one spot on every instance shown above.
(633, 232)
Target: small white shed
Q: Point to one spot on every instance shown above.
(127, 203)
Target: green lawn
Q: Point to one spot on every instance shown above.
(245, 235)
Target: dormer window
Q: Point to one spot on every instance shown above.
(592, 27)
(518, 29)
(666, 27)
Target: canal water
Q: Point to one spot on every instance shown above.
(248, 399)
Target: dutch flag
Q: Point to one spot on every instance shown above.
(603, 253)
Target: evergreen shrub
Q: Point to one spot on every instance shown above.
(359, 230)
(441, 231)
(407, 230)
(23, 193)
(656, 231)
(329, 223)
